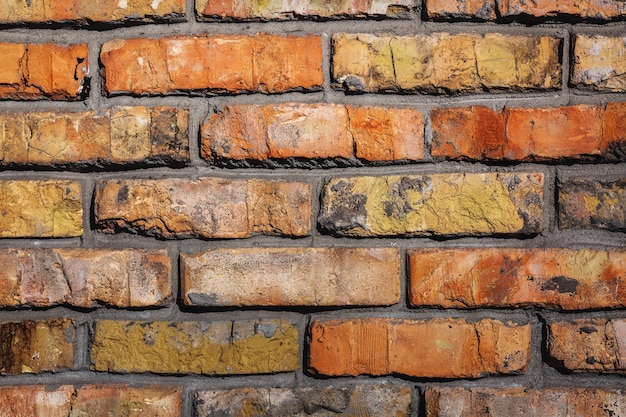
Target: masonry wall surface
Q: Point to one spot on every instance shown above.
(213, 208)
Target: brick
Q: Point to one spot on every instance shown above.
(594, 9)
(437, 204)
(522, 134)
(212, 64)
(92, 400)
(36, 401)
(84, 277)
(288, 10)
(592, 204)
(588, 345)
(442, 63)
(32, 208)
(36, 71)
(566, 279)
(291, 277)
(122, 400)
(447, 348)
(220, 348)
(36, 346)
(207, 207)
(373, 401)
(523, 402)
(599, 63)
(295, 130)
(87, 11)
(614, 132)
(122, 135)
(461, 9)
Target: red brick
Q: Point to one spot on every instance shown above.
(288, 10)
(121, 135)
(35, 71)
(447, 348)
(83, 11)
(313, 131)
(592, 204)
(216, 64)
(91, 400)
(207, 207)
(614, 130)
(291, 277)
(588, 345)
(524, 134)
(567, 279)
(84, 277)
(522, 402)
(36, 346)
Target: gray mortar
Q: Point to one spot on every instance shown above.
(538, 375)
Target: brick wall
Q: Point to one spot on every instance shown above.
(281, 208)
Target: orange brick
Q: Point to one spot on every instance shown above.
(84, 277)
(447, 348)
(35, 71)
(207, 207)
(313, 131)
(588, 345)
(522, 402)
(567, 279)
(527, 134)
(288, 10)
(121, 135)
(36, 346)
(471, 132)
(92, 400)
(291, 277)
(461, 9)
(217, 64)
(43, 11)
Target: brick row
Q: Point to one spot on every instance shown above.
(445, 205)
(203, 64)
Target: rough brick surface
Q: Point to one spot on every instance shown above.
(528, 134)
(447, 348)
(317, 131)
(207, 207)
(36, 346)
(592, 204)
(84, 277)
(217, 64)
(34, 208)
(291, 277)
(222, 348)
(588, 345)
(497, 9)
(438, 204)
(443, 63)
(599, 63)
(523, 402)
(565, 279)
(44, 11)
(287, 10)
(374, 401)
(90, 400)
(35, 71)
(121, 400)
(121, 135)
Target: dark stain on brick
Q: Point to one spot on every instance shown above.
(561, 284)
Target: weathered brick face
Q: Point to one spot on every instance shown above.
(312, 208)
